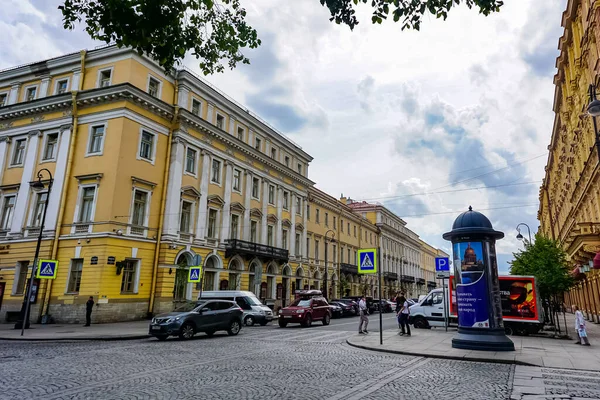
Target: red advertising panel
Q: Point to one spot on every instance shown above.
(452, 294)
(519, 298)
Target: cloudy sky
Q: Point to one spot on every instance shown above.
(426, 123)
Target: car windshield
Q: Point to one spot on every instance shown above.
(253, 301)
(301, 303)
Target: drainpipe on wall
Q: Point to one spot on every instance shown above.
(163, 199)
(63, 197)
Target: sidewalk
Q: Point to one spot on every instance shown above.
(536, 351)
(57, 332)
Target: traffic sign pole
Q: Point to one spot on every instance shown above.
(446, 300)
(380, 305)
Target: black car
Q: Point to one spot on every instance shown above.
(371, 306)
(336, 310)
(203, 316)
(347, 308)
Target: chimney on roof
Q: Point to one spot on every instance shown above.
(343, 199)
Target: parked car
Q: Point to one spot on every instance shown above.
(347, 308)
(385, 304)
(307, 307)
(336, 310)
(203, 316)
(370, 302)
(255, 312)
(353, 303)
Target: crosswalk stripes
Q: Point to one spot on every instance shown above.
(313, 335)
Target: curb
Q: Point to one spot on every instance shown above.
(88, 338)
(442, 356)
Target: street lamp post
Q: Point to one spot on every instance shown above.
(594, 110)
(326, 294)
(519, 236)
(38, 185)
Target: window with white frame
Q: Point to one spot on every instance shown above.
(216, 171)
(8, 207)
(326, 219)
(318, 216)
(61, 86)
(3, 99)
(286, 200)
(75, 272)
(334, 253)
(237, 178)
(212, 223)
(284, 239)
(96, 139)
(86, 208)
(104, 77)
(196, 107)
(257, 143)
(299, 168)
(233, 229)
(18, 152)
(51, 146)
(140, 205)
(316, 249)
(38, 209)
(308, 212)
(256, 188)
(272, 194)
(30, 93)
(240, 133)
(128, 281)
(335, 222)
(220, 121)
(253, 231)
(147, 145)
(273, 153)
(21, 277)
(297, 244)
(153, 87)
(190, 161)
(342, 225)
(185, 221)
(298, 205)
(270, 238)
(307, 247)
(287, 161)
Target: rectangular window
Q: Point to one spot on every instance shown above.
(212, 223)
(235, 222)
(220, 121)
(318, 216)
(140, 201)
(87, 204)
(284, 239)
(298, 206)
(271, 194)
(7, 211)
(255, 188)
(326, 219)
(216, 172)
(147, 146)
(341, 225)
(253, 231)
(257, 144)
(30, 93)
(334, 222)
(3, 99)
(299, 168)
(348, 228)
(75, 275)
(196, 107)
(21, 279)
(19, 152)
(286, 200)
(316, 249)
(153, 87)
(334, 253)
(240, 134)
(273, 153)
(186, 217)
(128, 280)
(297, 244)
(96, 139)
(105, 78)
(354, 230)
(237, 179)
(51, 144)
(307, 247)
(308, 211)
(38, 210)
(190, 161)
(61, 86)
(270, 235)
(287, 161)
(349, 255)
(342, 255)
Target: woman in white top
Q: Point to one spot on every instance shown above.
(580, 327)
(403, 317)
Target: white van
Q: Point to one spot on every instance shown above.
(430, 311)
(254, 310)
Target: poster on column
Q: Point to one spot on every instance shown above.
(471, 285)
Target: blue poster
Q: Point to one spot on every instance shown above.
(471, 285)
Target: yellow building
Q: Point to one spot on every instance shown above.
(569, 196)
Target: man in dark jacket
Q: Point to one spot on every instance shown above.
(89, 306)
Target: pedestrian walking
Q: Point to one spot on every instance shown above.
(399, 303)
(580, 327)
(364, 320)
(403, 317)
(89, 306)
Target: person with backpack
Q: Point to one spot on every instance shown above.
(403, 315)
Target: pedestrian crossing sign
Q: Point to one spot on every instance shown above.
(195, 274)
(367, 261)
(47, 269)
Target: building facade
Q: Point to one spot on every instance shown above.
(570, 193)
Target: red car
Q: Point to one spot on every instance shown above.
(307, 307)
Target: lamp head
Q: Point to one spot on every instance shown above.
(519, 236)
(594, 108)
(37, 185)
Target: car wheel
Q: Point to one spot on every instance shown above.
(187, 331)
(308, 321)
(249, 321)
(326, 320)
(162, 338)
(508, 331)
(282, 324)
(421, 323)
(234, 328)
(264, 323)
(210, 333)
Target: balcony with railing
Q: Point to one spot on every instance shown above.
(346, 268)
(407, 278)
(392, 276)
(250, 249)
(420, 281)
(431, 284)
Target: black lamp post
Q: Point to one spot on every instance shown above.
(326, 294)
(594, 110)
(519, 236)
(37, 185)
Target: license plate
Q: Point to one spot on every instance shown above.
(156, 328)
(287, 316)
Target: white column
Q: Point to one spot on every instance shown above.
(265, 211)
(211, 111)
(247, 194)
(24, 190)
(292, 233)
(44, 87)
(232, 126)
(279, 216)
(227, 202)
(305, 231)
(59, 177)
(75, 79)
(4, 141)
(173, 203)
(203, 208)
(13, 97)
(183, 97)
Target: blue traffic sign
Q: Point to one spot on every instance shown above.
(442, 264)
(47, 269)
(195, 274)
(367, 261)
